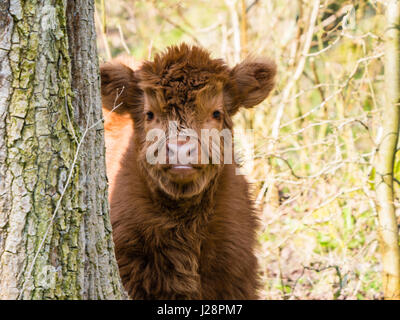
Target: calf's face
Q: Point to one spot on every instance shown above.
(181, 104)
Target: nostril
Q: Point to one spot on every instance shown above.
(172, 152)
(170, 149)
(192, 151)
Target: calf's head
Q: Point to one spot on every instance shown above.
(182, 105)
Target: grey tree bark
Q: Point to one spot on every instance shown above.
(55, 232)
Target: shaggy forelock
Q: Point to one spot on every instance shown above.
(180, 72)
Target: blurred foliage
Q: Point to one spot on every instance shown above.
(311, 177)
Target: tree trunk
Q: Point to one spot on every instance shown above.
(388, 228)
(55, 233)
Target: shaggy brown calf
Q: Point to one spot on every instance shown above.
(182, 231)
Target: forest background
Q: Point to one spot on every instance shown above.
(315, 138)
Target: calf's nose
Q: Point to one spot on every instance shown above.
(182, 152)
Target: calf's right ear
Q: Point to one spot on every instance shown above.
(120, 92)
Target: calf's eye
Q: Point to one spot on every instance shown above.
(216, 115)
(149, 115)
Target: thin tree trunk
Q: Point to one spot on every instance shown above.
(388, 229)
(243, 30)
(55, 233)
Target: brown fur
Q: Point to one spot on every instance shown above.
(191, 237)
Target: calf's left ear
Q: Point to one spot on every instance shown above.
(252, 81)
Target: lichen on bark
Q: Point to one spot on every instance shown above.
(55, 235)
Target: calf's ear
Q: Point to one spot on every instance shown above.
(119, 88)
(252, 81)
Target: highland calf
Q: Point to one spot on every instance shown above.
(182, 230)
